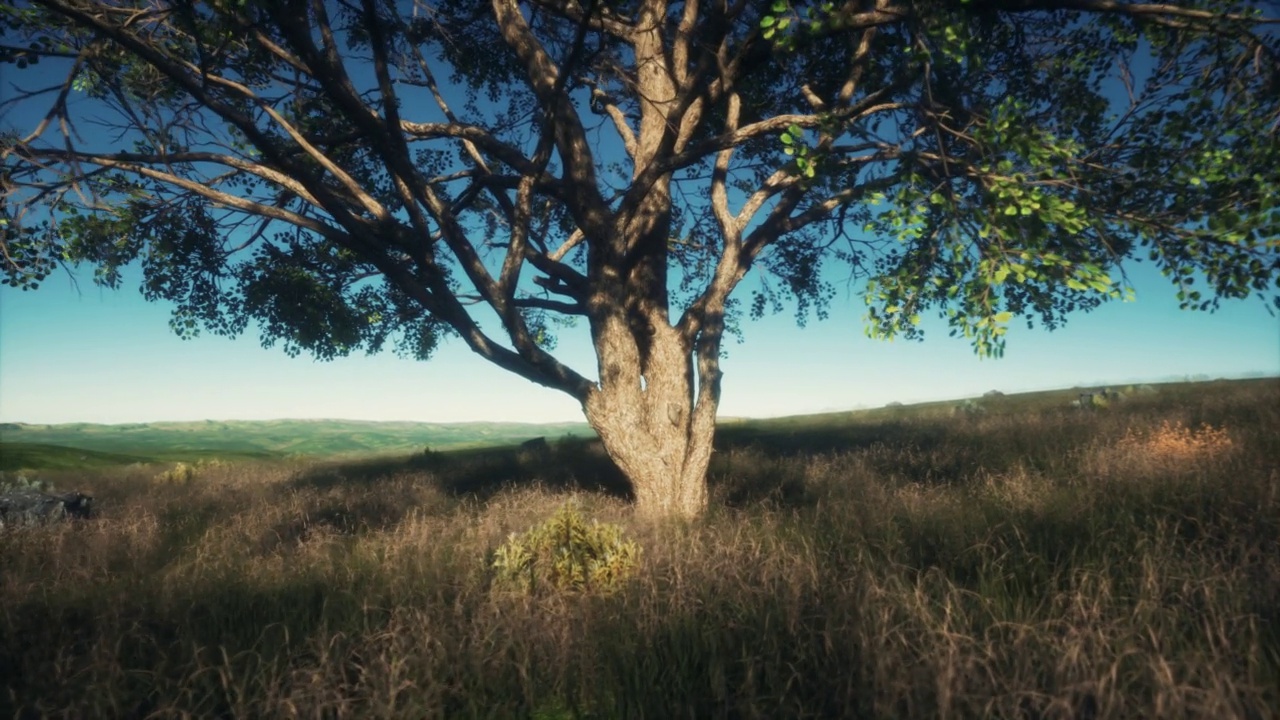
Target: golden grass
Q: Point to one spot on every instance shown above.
(1167, 449)
(1031, 565)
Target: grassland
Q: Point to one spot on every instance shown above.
(25, 445)
(1031, 562)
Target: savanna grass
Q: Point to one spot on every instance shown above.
(1031, 562)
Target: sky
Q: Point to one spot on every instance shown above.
(80, 353)
(74, 352)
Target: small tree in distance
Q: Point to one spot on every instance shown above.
(352, 174)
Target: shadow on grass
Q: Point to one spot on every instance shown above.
(766, 461)
(762, 463)
(232, 628)
(568, 464)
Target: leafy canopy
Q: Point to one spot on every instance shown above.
(347, 175)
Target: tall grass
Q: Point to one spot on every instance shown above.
(1029, 563)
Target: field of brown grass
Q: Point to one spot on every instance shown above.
(1034, 562)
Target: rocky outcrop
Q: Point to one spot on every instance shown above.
(538, 445)
(25, 507)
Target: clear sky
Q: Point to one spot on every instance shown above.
(95, 355)
(79, 353)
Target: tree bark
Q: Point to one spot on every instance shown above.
(643, 406)
(647, 423)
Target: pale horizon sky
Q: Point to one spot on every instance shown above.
(103, 356)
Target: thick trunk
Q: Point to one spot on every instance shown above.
(656, 420)
(657, 423)
(650, 429)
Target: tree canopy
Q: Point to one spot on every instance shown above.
(386, 173)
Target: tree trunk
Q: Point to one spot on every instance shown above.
(654, 413)
(644, 407)
(649, 428)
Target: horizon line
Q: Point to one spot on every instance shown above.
(1167, 380)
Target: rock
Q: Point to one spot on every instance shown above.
(26, 507)
(969, 407)
(538, 444)
(535, 450)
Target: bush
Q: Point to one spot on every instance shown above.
(22, 480)
(566, 553)
(178, 474)
(184, 473)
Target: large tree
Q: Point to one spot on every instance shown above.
(351, 173)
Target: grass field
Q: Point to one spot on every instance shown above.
(241, 439)
(1031, 562)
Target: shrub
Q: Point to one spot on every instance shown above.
(428, 459)
(566, 553)
(178, 474)
(184, 473)
(22, 480)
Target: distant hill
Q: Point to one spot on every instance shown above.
(266, 438)
(25, 445)
(17, 455)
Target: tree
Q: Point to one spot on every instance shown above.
(349, 175)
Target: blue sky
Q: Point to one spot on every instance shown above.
(95, 355)
(74, 352)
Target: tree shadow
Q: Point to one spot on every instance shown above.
(768, 462)
(790, 439)
(569, 464)
(761, 463)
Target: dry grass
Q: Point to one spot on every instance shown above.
(1034, 564)
(1167, 449)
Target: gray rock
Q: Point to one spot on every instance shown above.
(970, 408)
(25, 507)
(538, 444)
(536, 449)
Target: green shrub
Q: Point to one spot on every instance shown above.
(178, 474)
(182, 473)
(566, 553)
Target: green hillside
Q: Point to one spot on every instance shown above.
(16, 455)
(84, 445)
(164, 441)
